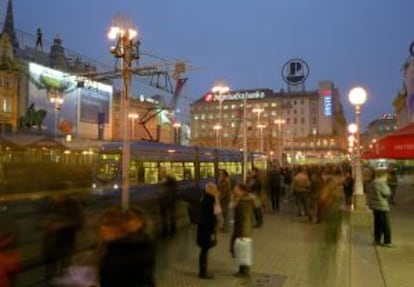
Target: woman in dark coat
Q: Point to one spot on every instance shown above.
(207, 228)
(348, 185)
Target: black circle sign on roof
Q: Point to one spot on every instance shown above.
(295, 72)
(412, 49)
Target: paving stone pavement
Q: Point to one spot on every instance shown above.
(288, 252)
(397, 263)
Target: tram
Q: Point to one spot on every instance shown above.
(192, 167)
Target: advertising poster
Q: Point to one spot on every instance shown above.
(56, 99)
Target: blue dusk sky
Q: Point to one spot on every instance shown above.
(246, 42)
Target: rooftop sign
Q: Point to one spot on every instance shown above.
(236, 96)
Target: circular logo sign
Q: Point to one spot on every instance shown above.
(295, 72)
(412, 49)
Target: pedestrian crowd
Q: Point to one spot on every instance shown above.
(124, 254)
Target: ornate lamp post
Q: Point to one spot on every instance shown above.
(279, 123)
(357, 97)
(123, 32)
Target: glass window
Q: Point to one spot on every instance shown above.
(150, 172)
(206, 169)
(274, 104)
(133, 171)
(177, 170)
(188, 171)
(302, 120)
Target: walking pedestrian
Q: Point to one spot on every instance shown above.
(167, 202)
(243, 225)
(348, 186)
(378, 196)
(224, 187)
(301, 188)
(274, 179)
(255, 187)
(206, 228)
(63, 220)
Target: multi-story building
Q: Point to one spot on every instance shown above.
(378, 129)
(306, 126)
(147, 121)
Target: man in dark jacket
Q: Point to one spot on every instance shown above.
(206, 229)
(255, 187)
(225, 197)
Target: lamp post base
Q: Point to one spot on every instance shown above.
(360, 215)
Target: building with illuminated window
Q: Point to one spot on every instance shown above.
(299, 127)
(378, 129)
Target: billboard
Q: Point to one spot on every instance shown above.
(64, 102)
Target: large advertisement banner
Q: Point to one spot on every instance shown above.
(63, 103)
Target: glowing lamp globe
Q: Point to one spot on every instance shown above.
(352, 128)
(357, 96)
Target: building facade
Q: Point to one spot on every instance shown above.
(296, 127)
(378, 129)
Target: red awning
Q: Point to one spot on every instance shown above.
(398, 145)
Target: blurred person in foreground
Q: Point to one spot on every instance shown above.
(316, 185)
(128, 255)
(378, 194)
(9, 254)
(62, 222)
(243, 222)
(207, 228)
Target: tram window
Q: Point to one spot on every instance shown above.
(150, 172)
(133, 172)
(177, 170)
(110, 156)
(206, 169)
(188, 171)
(166, 167)
(234, 168)
(222, 165)
(107, 171)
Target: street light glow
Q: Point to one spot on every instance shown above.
(357, 96)
(133, 116)
(352, 128)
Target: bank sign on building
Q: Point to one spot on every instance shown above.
(81, 108)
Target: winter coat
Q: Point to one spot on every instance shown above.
(378, 193)
(274, 181)
(128, 262)
(243, 217)
(168, 194)
(225, 189)
(207, 224)
(255, 185)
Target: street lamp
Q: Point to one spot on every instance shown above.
(57, 101)
(177, 127)
(279, 123)
(261, 127)
(357, 97)
(217, 128)
(123, 32)
(133, 117)
(219, 91)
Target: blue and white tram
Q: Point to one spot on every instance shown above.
(191, 166)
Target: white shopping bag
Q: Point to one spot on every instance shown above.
(243, 251)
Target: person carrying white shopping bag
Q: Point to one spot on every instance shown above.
(241, 240)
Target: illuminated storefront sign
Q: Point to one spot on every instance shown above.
(327, 103)
(237, 96)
